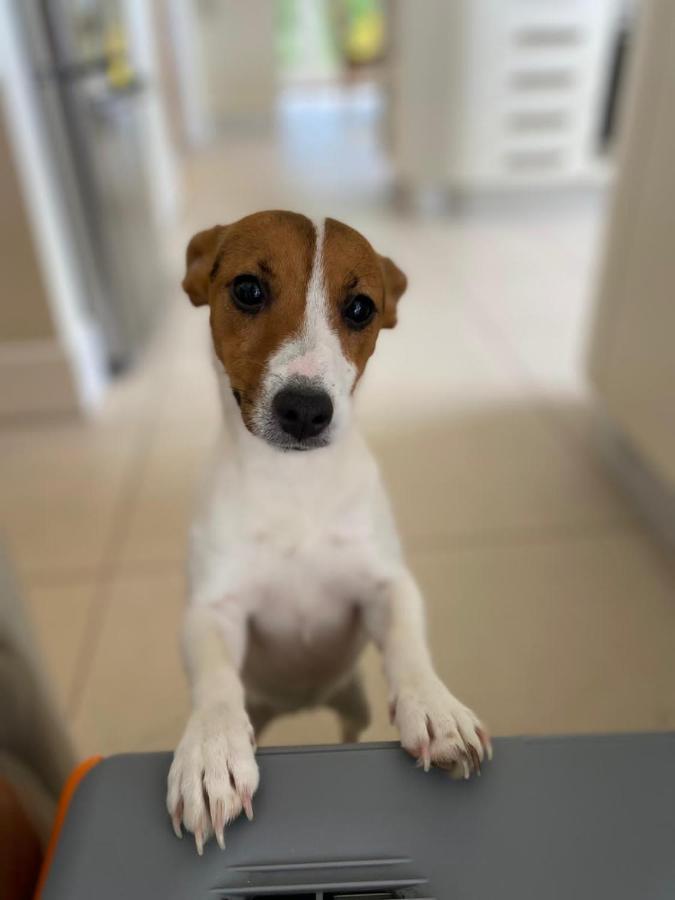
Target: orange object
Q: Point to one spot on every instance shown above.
(67, 794)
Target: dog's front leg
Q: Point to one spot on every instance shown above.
(214, 774)
(435, 727)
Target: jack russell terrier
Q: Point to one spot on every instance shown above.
(294, 559)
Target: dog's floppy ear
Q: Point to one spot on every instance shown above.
(200, 260)
(395, 284)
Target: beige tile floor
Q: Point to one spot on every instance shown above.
(551, 608)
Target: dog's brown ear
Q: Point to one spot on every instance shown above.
(200, 259)
(395, 284)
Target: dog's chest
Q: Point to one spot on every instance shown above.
(295, 545)
(305, 625)
(308, 582)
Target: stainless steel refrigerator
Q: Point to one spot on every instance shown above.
(92, 106)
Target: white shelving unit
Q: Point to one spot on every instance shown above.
(500, 93)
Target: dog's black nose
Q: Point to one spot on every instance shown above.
(303, 412)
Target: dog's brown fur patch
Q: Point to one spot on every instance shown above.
(279, 248)
(352, 267)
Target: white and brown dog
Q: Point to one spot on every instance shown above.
(294, 558)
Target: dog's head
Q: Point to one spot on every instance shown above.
(296, 308)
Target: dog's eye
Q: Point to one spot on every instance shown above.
(359, 312)
(248, 293)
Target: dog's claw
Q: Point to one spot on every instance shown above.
(425, 757)
(248, 806)
(218, 822)
(199, 842)
(486, 742)
(176, 819)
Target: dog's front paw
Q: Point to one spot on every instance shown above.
(438, 730)
(213, 775)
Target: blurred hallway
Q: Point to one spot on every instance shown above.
(551, 608)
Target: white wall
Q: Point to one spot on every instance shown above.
(237, 48)
(160, 156)
(632, 359)
(225, 56)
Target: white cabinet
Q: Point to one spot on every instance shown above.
(493, 93)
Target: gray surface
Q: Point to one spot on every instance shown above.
(572, 818)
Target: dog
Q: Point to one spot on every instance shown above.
(294, 560)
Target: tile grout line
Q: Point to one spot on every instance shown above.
(515, 360)
(534, 536)
(76, 576)
(110, 560)
(570, 440)
(104, 575)
(491, 537)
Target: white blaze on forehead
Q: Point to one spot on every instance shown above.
(322, 354)
(316, 303)
(308, 347)
(304, 352)
(315, 351)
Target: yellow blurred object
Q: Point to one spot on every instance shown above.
(365, 38)
(119, 72)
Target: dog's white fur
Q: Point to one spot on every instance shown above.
(314, 354)
(294, 565)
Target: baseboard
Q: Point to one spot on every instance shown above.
(653, 497)
(36, 379)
